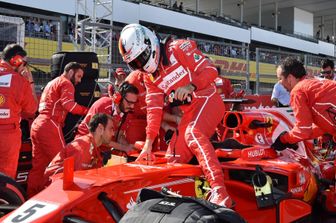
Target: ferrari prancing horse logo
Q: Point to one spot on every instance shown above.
(201, 188)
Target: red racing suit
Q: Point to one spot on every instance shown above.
(46, 132)
(102, 105)
(224, 87)
(185, 64)
(85, 152)
(135, 124)
(314, 105)
(15, 97)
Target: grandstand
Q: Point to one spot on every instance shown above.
(245, 46)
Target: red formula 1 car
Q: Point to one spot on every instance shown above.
(267, 186)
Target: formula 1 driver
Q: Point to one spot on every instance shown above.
(179, 68)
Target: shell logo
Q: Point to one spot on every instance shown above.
(2, 99)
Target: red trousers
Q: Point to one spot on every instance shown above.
(10, 144)
(135, 130)
(198, 124)
(47, 139)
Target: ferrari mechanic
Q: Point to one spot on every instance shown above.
(46, 132)
(313, 103)
(118, 106)
(17, 95)
(85, 149)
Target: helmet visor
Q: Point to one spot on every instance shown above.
(141, 60)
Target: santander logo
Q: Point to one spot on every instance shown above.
(172, 78)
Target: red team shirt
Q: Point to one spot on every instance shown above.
(15, 96)
(314, 109)
(85, 152)
(103, 105)
(58, 99)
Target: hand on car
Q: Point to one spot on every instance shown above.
(279, 146)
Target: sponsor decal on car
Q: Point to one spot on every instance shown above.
(2, 99)
(5, 80)
(296, 190)
(30, 211)
(201, 188)
(259, 139)
(256, 153)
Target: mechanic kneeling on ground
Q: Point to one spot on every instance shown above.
(85, 149)
(46, 132)
(17, 95)
(179, 68)
(313, 101)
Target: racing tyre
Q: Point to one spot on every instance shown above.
(11, 194)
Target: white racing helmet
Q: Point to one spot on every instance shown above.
(139, 48)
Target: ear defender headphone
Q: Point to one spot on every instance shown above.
(16, 61)
(121, 93)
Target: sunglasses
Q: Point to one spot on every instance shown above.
(327, 72)
(130, 102)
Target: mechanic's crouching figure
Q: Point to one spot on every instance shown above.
(313, 102)
(85, 149)
(180, 67)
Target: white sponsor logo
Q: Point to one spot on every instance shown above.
(172, 78)
(42, 106)
(259, 139)
(4, 113)
(296, 190)
(219, 81)
(167, 203)
(302, 178)
(131, 204)
(172, 59)
(185, 46)
(256, 153)
(5, 80)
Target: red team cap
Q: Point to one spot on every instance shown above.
(120, 71)
(110, 90)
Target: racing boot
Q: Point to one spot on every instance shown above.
(219, 196)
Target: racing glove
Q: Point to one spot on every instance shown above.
(279, 146)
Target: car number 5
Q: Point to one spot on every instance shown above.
(27, 213)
